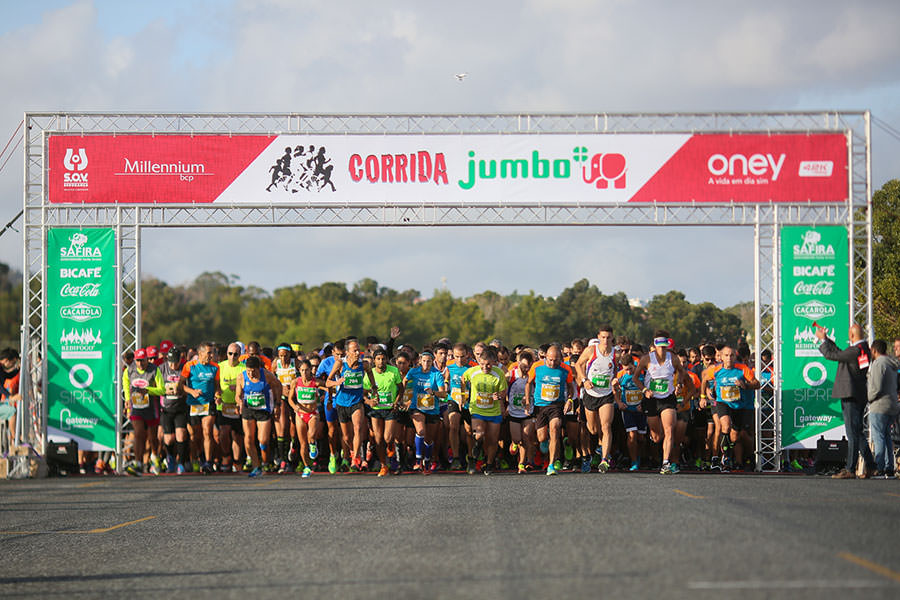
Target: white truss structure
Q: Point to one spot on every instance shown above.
(128, 220)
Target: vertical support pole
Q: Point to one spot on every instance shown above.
(777, 348)
(757, 328)
(138, 340)
(119, 348)
(870, 311)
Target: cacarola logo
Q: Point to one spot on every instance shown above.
(743, 165)
(75, 164)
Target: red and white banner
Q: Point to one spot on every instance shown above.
(468, 169)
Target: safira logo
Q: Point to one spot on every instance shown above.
(75, 164)
(301, 169)
(811, 248)
(78, 250)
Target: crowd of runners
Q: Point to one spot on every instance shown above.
(589, 405)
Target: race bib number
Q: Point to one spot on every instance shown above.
(601, 381)
(456, 395)
(139, 399)
(353, 381)
(229, 410)
(729, 393)
(385, 399)
(484, 400)
(199, 410)
(659, 386)
(306, 395)
(518, 400)
(633, 397)
(286, 377)
(171, 389)
(550, 392)
(255, 400)
(425, 401)
(408, 394)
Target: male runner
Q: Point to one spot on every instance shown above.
(457, 405)
(596, 369)
(347, 378)
(228, 417)
(258, 393)
(384, 420)
(550, 390)
(200, 381)
(485, 386)
(734, 385)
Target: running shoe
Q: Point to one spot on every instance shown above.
(599, 451)
(487, 470)
(504, 466)
(205, 468)
(557, 465)
(82, 469)
(513, 448)
(170, 464)
(293, 453)
(383, 471)
(112, 463)
(313, 451)
(666, 469)
(433, 466)
(355, 465)
(551, 469)
(585, 465)
(179, 468)
(154, 469)
(345, 466)
(99, 467)
(283, 467)
(603, 467)
(795, 466)
(522, 469)
(568, 451)
(634, 466)
(195, 466)
(395, 464)
(470, 465)
(234, 468)
(674, 469)
(306, 473)
(256, 472)
(248, 464)
(716, 464)
(155, 463)
(132, 469)
(300, 469)
(455, 465)
(332, 464)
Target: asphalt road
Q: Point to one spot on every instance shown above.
(451, 536)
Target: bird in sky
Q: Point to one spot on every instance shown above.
(460, 76)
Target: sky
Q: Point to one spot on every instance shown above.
(399, 57)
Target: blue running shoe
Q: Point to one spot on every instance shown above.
(179, 469)
(170, 464)
(306, 473)
(313, 451)
(586, 465)
(551, 470)
(634, 466)
(256, 472)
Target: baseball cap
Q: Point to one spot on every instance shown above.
(165, 346)
(140, 354)
(151, 351)
(173, 354)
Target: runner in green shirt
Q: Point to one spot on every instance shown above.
(486, 386)
(382, 405)
(228, 419)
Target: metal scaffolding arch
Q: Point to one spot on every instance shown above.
(128, 220)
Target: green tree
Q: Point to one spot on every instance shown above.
(886, 260)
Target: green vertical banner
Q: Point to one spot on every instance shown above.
(815, 290)
(81, 335)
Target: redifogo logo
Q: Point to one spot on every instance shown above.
(75, 164)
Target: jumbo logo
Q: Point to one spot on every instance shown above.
(606, 168)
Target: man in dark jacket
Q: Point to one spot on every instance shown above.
(850, 388)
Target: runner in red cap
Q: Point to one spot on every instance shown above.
(142, 385)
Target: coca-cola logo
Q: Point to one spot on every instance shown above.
(86, 290)
(819, 288)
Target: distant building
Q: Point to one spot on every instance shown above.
(637, 303)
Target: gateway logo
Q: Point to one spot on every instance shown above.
(814, 309)
(810, 248)
(80, 312)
